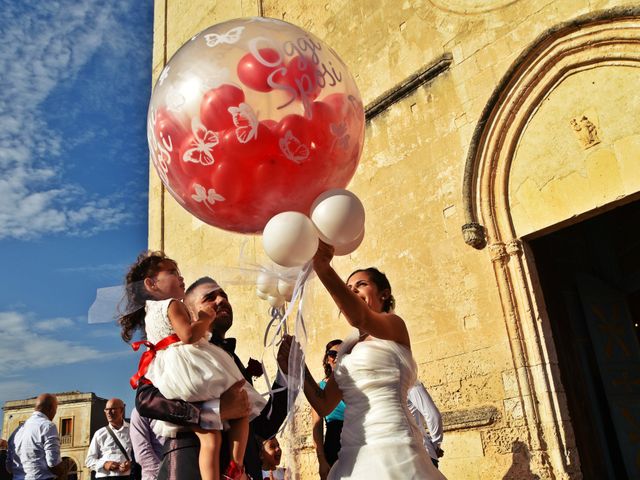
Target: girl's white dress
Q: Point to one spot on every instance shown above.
(193, 372)
(380, 439)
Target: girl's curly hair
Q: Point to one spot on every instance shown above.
(148, 264)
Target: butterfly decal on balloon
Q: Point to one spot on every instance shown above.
(230, 37)
(293, 149)
(339, 130)
(201, 145)
(246, 122)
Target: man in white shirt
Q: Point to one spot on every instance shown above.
(110, 450)
(424, 410)
(34, 447)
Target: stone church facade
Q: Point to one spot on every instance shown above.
(501, 179)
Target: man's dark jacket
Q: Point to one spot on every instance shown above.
(4, 474)
(180, 461)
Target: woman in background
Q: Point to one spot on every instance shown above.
(327, 442)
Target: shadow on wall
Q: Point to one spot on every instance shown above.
(520, 468)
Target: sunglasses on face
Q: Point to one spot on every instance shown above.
(332, 354)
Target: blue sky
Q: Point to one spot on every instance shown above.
(74, 90)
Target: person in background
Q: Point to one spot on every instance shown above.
(424, 410)
(4, 474)
(327, 442)
(147, 447)
(110, 449)
(34, 447)
(270, 456)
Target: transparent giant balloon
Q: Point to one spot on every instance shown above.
(253, 117)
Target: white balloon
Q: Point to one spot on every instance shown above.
(347, 248)
(267, 283)
(290, 239)
(275, 301)
(339, 216)
(285, 289)
(261, 294)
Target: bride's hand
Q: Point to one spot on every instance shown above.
(323, 256)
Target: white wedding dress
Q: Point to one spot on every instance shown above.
(380, 439)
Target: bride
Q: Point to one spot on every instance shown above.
(373, 374)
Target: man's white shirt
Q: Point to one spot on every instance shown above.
(104, 449)
(33, 448)
(423, 410)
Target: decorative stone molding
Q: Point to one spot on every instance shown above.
(610, 38)
(498, 252)
(513, 247)
(586, 131)
(606, 39)
(407, 86)
(474, 235)
(471, 418)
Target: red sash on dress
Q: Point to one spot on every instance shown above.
(148, 356)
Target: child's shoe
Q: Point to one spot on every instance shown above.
(235, 472)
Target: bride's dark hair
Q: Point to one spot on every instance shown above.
(382, 282)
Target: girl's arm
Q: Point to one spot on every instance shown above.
(386, 326)
(188, 331)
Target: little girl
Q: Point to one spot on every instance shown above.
(183, 364)
(270, 456)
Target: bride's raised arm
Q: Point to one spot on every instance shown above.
(361, 301)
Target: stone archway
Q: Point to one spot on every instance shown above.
(549, 149)
(74, 471)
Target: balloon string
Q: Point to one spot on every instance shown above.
(276, 328)
(296, 357)
(277, 313)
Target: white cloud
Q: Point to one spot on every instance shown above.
(44, 45)
(22, 346)
(53, 324)
(109, 268)
(17, 389)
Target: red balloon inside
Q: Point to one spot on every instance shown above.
(214, 110)
(254, 71)
(302, 76)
